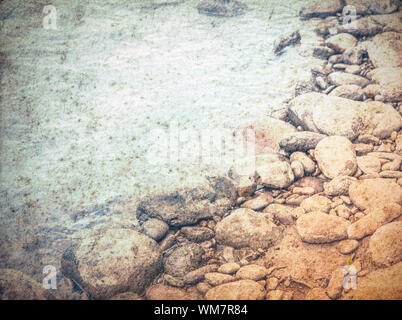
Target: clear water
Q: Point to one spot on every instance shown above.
(79, 104)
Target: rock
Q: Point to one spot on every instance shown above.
(297, 168)
(155, 229)
(183, 259)
(126, 296)
(229, 268)
(374, 193)
(380, 119)
(384, 50)
(354, 55)
(198, 274)
(308, 164)
(335, 285)
(341, 42)
(369, 164)
(330, 115)
(382, 284)
(353, 69)
(323, 52)
(373, 6)
(251, 272)
(316, 294)
(391, 174)
(364, 27)
(318, 227)
(203, 287)
(221, 8)
(274, 295)
(295, 199)
(374, 219)
(272, 283)
(246, 186)
(238, 290)
(389, 83)
(313, 182)
(349, 91)
(342, 78)
(301, 141)
(321, 9)
(197, 234)
(321, 82)
(268, 133)
(316, 203)
(186, 208)
(335, 157)
(15, 285)
(347, 246)
(259, 202)
(273, 171)
(216, 278)
(113, 261)
(163, 292)
(385, 246)
(343, 211)
(309, 191)
(283, 213)
(247, 228)
(391, 22)
(290, 40)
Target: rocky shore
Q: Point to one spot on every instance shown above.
(326, 193)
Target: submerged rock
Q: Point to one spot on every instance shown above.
(221, 8)
(188, 207)
(290, 40)
(112, 262)
(384, 50)
(301, 141)
(321, 9)
(183, 259)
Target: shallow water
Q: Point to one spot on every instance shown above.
(80, 104)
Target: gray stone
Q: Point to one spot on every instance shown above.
(182, 259)
(155, 228)
(301, 141)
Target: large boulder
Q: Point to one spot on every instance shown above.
(221, 8)
(341, 42)
(335, 157)
(113, 261)
(390, 81)
(380, 198)
(247, 228)
(238, 290)
(189, 206)
(319, 227)
(384, 50)
(329, 115)
(385, 246)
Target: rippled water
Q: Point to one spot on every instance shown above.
(79, 104)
